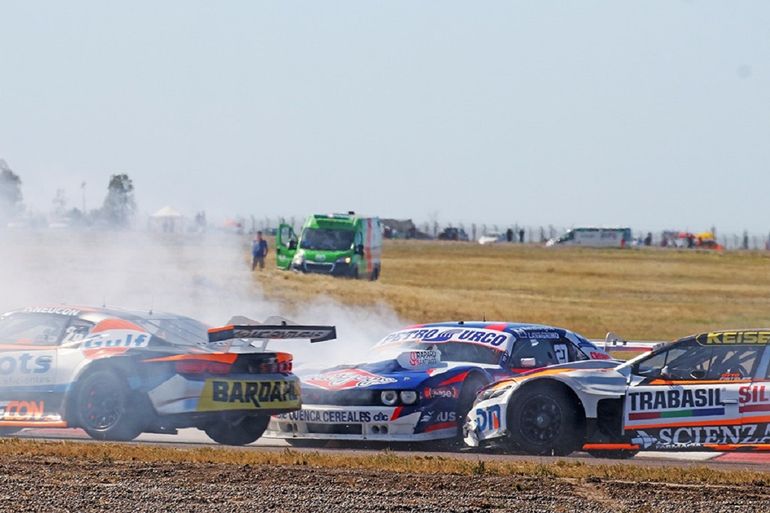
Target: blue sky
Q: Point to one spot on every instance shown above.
(648, 114)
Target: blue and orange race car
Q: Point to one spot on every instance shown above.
(116, 373)
(420, 382)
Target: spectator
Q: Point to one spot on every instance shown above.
(258, 252)
(521, 236)
(509, 235)
(648, 239)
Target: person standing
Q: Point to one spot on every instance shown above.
(258, 252)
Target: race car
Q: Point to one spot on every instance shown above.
(117, 374)
(421, 381)
(705, 392)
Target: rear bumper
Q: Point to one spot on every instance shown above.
(372, 423)
(267, 394)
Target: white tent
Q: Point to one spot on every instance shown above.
(167, 219)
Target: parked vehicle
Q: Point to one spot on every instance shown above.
(337, 244)
(594, 237)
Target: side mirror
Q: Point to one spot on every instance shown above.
(698, 374)
(528, 363)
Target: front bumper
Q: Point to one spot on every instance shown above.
(372, 423)
(265, 393)
(485, 422)
(332, 268)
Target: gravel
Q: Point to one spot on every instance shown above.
(48, 484)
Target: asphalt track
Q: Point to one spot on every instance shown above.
(191, 438)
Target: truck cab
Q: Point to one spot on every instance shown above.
(334, 244)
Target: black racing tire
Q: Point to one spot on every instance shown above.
(243, 432)
(354, 272)
(543, 420)
(621, 454)
(375, 273)
(306, 443)
(107, 409)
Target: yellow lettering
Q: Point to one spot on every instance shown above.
(763, 337)
(728, 337)
(750, 337)
(713, 338)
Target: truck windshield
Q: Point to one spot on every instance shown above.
(325, 239)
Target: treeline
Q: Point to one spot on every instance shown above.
(117, 210)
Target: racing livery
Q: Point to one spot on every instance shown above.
(421, 381)
(705, 392)
(117, 373)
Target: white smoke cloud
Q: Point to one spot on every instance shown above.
(204, 276)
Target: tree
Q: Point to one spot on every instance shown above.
(10, 190)
(59, 203)
(119, 205)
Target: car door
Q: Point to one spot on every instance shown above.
(686, 396)
(28, 351)
(285, 246)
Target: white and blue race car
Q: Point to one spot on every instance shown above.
(420, 382)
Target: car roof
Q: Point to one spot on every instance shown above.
(96, 314)
(509, 327)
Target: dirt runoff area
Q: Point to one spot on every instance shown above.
(47, 484)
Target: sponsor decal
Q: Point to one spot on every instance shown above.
(25, 363)
(754, 398)
(492, 338)
(488, 419)
(596, 355)
(448, 392)
(58, 310)
(116, 339)
(335, 416)
(543, 335)
(248, 395)
(22, 410)
(268, 333)
(441, 416)
(745, 338)
(689, 437)
(348, 378)
(419, 359)
(684, 402)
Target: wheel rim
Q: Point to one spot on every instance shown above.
(103, 405)
(541, 420)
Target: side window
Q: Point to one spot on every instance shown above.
(689, 360)
(35, 329)
(543, 352)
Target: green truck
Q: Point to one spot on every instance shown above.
(334, 244)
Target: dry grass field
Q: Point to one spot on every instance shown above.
(649, 293)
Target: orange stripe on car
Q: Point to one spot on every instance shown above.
(29, 424)
(212, 357)
(221, 328)
(610, 447)
(672, 382)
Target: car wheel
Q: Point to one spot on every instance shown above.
(244, 432)
(375, 274)
(544, 421)
(106, 409)
(614, 455)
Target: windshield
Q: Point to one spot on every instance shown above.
(450, 351)
(176, 330)
(325, 239)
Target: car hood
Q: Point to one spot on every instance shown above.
(382, 375)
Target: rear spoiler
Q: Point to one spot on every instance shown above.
(272, 332)
(613, 342)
